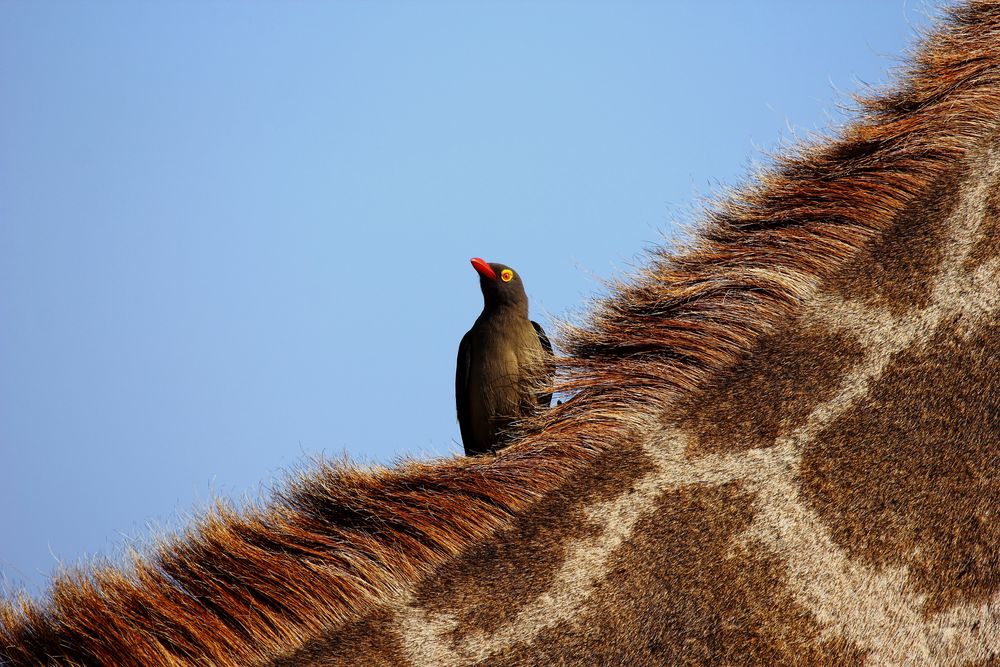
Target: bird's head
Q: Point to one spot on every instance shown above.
(500, 284)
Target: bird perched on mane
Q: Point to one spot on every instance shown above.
(504, 370)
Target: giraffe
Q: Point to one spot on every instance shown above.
(782, 446)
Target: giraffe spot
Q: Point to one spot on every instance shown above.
(784, 379)
(487, 587)
(685, 590)
(369, 641)
(987, 247)
(910, 476)
(896, 271)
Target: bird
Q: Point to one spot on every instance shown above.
(504, 369)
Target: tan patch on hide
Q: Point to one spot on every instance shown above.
(896, 270)
(682, 591)
(492, 582)
(789, 374)
(910, 476)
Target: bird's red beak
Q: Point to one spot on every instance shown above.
(483, 268)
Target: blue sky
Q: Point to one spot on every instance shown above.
(235, 236)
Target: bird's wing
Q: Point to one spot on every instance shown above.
(462, 387)
(544, 400)
(542, 338)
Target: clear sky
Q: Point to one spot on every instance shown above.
(235, 235)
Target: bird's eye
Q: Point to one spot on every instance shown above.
(506, 275)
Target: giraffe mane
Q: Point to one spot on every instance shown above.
(337, 541)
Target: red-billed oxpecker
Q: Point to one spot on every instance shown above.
(504, 370)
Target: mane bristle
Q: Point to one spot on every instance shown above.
(239, 587)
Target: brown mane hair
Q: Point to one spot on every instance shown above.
(244, 587)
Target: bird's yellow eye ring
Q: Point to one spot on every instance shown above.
(506, 275)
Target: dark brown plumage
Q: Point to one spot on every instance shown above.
(503, 362)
